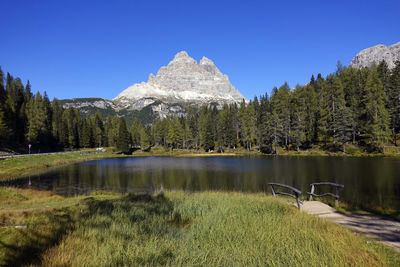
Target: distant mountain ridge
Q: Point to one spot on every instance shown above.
(180, 84)
(378, 53)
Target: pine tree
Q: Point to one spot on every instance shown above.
(59, 127)
(206, 129)
(226, 127)
(323, 112)
(36, 122)
(376, 124)
(3, 95)
(98, 130)
(192, 119)
(178, 129)
(111, 130)
(394, 101)
(310, 97)
(123, 140)
(28, 92)
(338, 120)
(298, 117)
(159, 130)
(350, 78)
(135, 133)
(144, 139)
(280, 115)
(171, 137)
(249, 126)
(4, 131)
(14, 101)
(86, 138)
(187, 136)
(69, 116)
(264, 125)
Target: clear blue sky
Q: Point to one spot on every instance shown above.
(99, 48)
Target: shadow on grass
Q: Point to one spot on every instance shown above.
(27, 245)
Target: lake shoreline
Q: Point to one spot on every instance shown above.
(21, 166)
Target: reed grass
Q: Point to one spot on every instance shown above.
(175, 229)
(209, 229)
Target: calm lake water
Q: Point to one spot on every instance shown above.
(375, 181)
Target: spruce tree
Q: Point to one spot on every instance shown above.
(350, 78)
(71, 127)
(206, 129)
(4, 131)
(144, 139)
(14, 102)
(57, 122)
(86, 138)
(298, 117)
(226, 130)
(3, 95)
(123, 140)
(394, 101)
(264, 125)
(98, 130)
(187, 135)
(338, 112)
(135, 133)
(309, 98)
(171, 137)
(323, 113)
(376, 117)
(249, 126)
(192, 118)
(178, 129)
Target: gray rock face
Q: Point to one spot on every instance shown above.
(365, 58)
(183, 80)
(87, 104)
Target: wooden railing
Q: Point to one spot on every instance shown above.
(335, 196)
(296, 192)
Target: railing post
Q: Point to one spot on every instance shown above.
(312, 192)
(273, 191)
(297, 199)
(337, 197)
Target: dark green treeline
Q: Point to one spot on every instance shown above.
(354, 106)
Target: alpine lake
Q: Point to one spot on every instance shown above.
(371, 182)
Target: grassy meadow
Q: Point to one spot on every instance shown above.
(14, 167)
(175, 228)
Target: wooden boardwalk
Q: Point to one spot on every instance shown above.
(386, 230)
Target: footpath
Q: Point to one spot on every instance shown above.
(384, 229)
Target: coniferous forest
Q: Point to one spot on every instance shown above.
(350, 106)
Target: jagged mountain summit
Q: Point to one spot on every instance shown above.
(183, 80)
(175, 87)
(365, 58)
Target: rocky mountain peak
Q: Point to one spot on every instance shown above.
(183, 80)
(378, 53)
(206, 61)
(182, 58)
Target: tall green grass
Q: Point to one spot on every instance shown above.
(175, 229)
(209, 229)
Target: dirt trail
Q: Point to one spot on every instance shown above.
(386, 230)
